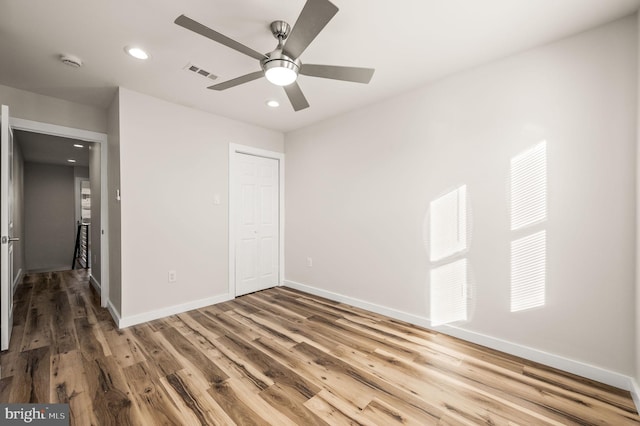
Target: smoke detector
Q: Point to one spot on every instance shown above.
(72, 61)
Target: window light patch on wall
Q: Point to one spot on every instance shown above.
(529, 186)
(528, 270)
(448, 224)
(528, 226)
(449, 293)
(448, 242)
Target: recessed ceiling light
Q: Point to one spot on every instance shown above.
(273, 103)
(136, 52)
(77, 145)
(70, 160)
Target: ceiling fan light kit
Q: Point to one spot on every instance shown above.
(282, 66)
(279, 69)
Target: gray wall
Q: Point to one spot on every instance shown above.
(81, 172)
(49, 216)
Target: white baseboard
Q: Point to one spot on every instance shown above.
(572, 366)
(635, 393)
(58, 268)
(17, 280)
(170, 310)
(96, 285)
(114, 313)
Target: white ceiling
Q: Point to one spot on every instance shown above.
(409, 42)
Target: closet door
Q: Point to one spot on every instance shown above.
(257, 220)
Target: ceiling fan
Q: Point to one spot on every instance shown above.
(282, 66)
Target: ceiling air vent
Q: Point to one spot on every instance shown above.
(197, 70)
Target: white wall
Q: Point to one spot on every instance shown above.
(637, 159)
(173, 160)
(358, 189)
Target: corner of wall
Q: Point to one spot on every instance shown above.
(113, 206)
(131, 320)
(115, 314)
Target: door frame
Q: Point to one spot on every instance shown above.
(87, 136)
(235, 149)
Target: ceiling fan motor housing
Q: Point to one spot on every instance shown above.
(279, 68)
(280, 30)
(279, 59)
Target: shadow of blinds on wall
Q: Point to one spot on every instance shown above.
(528, 219)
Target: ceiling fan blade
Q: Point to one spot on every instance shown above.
(313, 18)
(296, 97)
(237, 81)
(207, 32)
(357, 75)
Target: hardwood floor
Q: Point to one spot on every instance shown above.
(277, 357)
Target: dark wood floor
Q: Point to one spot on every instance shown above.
(277, 357)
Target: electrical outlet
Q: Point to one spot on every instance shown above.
(173, 277)
(309, 261)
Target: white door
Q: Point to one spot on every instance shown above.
(6, 229)
(257, 223)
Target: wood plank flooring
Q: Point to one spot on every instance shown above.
(278, 357)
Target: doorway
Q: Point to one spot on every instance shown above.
(98, 143)
(256, 206)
